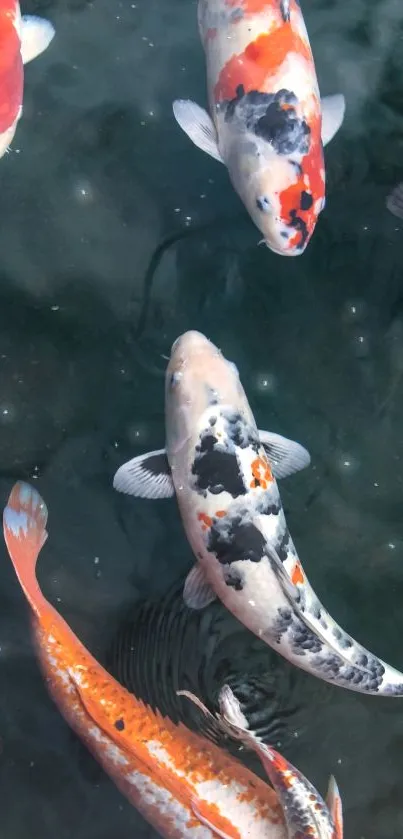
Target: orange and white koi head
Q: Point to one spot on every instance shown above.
(274, 156)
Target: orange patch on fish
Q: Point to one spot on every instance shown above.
(311, 180)
(221, 513)
(260, 60)
(206, 520)
(262, 474)
(250, 7)
(297, 575)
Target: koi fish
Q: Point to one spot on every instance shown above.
(306, 814)
(223, 471)
(268, 124)
(162, 768)
(21, 40)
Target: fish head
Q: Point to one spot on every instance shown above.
(197, 376)
(283, 195)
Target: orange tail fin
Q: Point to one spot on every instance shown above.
(24, 528)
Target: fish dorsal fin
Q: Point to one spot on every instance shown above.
(198, 125)
(335, 807)
(333, 110)
(36, 35)
(285, 456)
(197, 591)
(146, 476)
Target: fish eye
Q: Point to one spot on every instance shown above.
(263, 204)
(175, 378)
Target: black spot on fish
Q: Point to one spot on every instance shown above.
(281, 624)
(283, 548)
(120, 725)
(236, 540)
(285, 10)
(239, 432)
(306, 200)
(216, 470)
(234, 579)
(298, 223)
(304, 640)
(263, 204)
(282, 128)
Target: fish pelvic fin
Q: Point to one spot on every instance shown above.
(24, 528)
(333, 801)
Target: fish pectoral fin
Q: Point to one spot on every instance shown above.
(197, 591)
(36, 35)
(333, 801)
(333, 110)
(394, 201)
(146, 476)
(285, 456)
(196, 807)
(198, 125)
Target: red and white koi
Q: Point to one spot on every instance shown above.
(268, 124)
(162, 768)
(306, 814)
(223, 471)
(21, 40)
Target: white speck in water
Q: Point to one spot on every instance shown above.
(55, 308)
(392, 546)
(265, 382)
(96, 560)
(83, 191)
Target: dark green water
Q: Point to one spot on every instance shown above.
(88, 308)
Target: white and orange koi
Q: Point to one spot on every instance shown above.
(223, 471)
(162, 768)
(306, 813)
(268, 124)
(21, 40)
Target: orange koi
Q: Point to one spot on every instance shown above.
(166, 771)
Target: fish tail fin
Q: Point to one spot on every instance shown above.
(24, 528)
(394, 201)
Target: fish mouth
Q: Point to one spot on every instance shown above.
(281, 252)
(190, 341)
